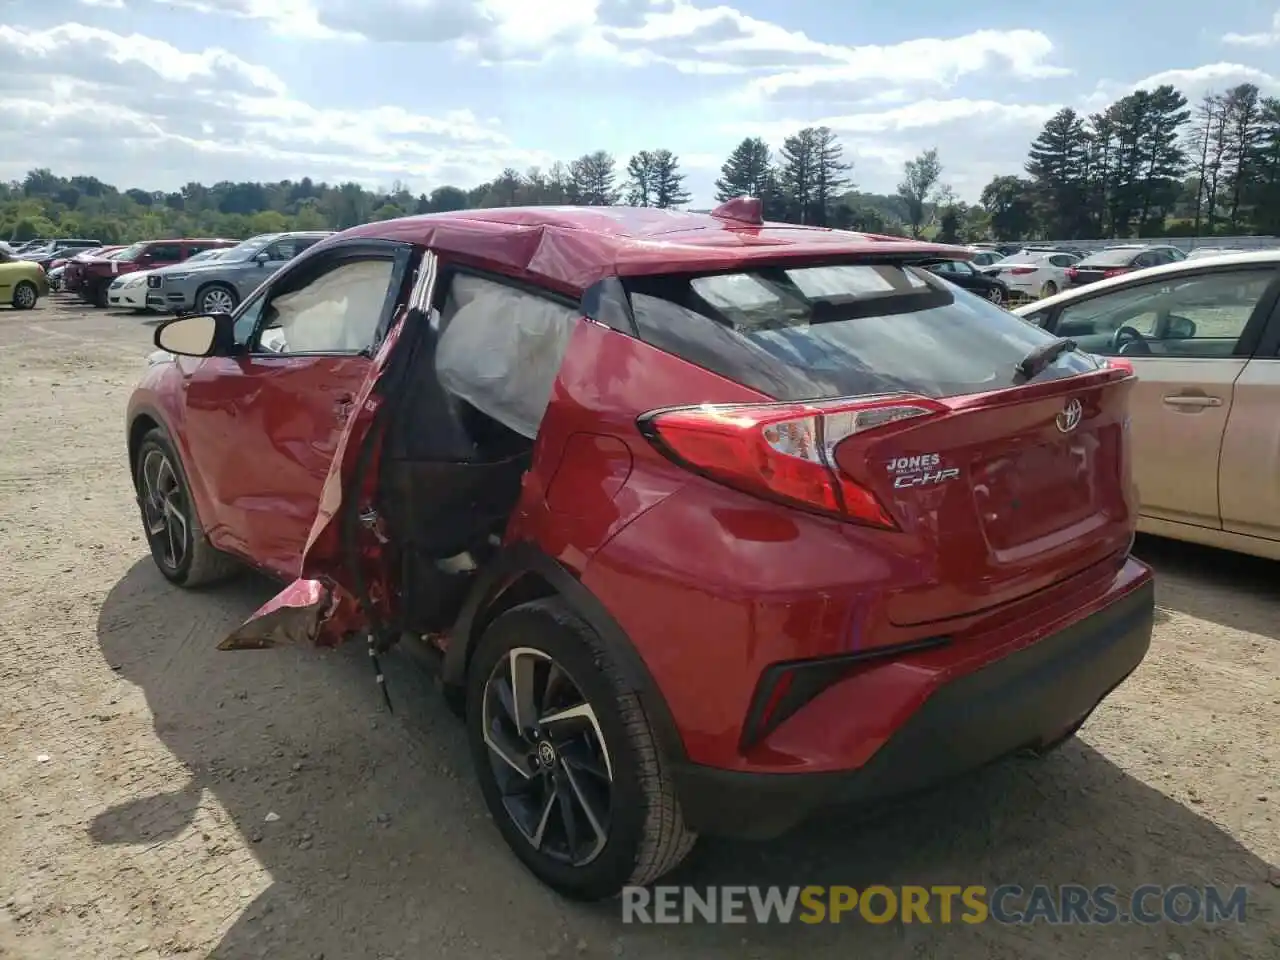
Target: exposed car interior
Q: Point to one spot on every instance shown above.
(456, 453)
(1198, 316)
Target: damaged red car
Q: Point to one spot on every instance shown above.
(712, 522)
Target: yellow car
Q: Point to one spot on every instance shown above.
(1203, 337)
(22, 282)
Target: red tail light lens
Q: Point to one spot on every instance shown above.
(1118, 363)
(1072, 273)
(784, 451)
(1022, 271)
(1114, 272)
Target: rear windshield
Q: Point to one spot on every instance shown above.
(1109, 258)
(1024, 257)
(835, 331)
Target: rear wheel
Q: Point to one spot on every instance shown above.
(25, 295)
(996, 296)
(178, 544)
(1049, 289)
(99, 295)
(216, 298)
(566, 758)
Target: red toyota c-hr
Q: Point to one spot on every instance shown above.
(712, 521)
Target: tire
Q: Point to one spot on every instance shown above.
(225, 297)
(99, 296)
(163, 492)
(25, 295)
(996, 296)
(1049, 289)
(644, 834)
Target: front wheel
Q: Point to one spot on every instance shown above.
(566, 758)
(178, 544)
(25, 295)
(216, 298)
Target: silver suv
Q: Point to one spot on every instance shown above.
(218, 286)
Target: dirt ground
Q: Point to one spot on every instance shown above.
(139, 766)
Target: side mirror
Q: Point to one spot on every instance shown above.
(202, 335)
(262, 258)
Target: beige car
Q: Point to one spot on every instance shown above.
(1204, 339)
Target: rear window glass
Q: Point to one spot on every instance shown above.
(1023, 257)
(1110, 258)
(834, 331)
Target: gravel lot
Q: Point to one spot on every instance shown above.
(138, 765)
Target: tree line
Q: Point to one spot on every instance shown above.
(1148, 165)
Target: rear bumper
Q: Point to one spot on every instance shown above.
(1029, 699)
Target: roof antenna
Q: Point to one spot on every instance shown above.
(745, 210)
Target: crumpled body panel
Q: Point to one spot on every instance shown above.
(570, 248)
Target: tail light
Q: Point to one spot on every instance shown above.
(1072, 273)
(784, 451)
(1115, 272)
(1118, 363)
(1022, 271)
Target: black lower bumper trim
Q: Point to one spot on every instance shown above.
(1029, 699)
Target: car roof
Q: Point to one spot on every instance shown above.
(1252, 258)
(570, 248)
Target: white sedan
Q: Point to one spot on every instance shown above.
(1033, 273)
(129, 292)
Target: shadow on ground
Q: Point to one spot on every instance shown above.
(382, 848)
(1192, 579)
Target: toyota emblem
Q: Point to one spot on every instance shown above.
(1070, 416)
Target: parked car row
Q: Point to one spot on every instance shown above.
(179, 276)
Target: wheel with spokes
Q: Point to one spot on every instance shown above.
(25, 295)
(996, 296)
(178, 543)
(566, 758)
(216, 298)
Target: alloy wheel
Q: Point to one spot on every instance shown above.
(164, 510)
(548, 756)
(24, 297)
(217, 300)
(996, 296)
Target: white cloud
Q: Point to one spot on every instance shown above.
(1265, 39)
(104, 4)
(1193, 82)
(134, 109)
(678, 34)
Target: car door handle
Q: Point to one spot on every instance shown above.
(1192, 400)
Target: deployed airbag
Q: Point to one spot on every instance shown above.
(500, 350)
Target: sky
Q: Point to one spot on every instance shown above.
(156, 93)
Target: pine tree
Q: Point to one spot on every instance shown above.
(829, 173)
(668, 182)
(592, 180)
(1056, 165)
(640, 179)
(798, 175)
(747, 173)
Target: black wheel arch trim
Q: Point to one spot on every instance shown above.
(513, 564)
(154, 416)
